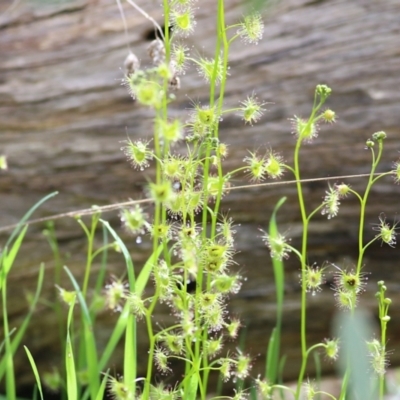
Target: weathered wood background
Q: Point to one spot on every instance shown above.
(64, 112)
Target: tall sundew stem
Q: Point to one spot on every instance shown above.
(303, 265)
(221, 37)
(361, 247)
(146, 390)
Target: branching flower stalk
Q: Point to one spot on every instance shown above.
(305, 131)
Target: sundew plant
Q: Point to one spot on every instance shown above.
(193, 241)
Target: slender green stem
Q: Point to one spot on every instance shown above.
(303, 267)
(375, 162)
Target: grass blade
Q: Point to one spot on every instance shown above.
(130, 360)
(35, 371)
(27, 216)
(100, 394)
(90, 344)
(22, 329)
(72, 387)
(272, 359)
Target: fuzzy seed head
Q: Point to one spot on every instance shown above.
(226, 230)
(222, 150)
(161, 360)
(278, 246)
(256, 167)
(215, 185)
(306, 131)
(179, 56)
(161, 192)
(385, 232)
(314, 277)
(134, 220)
(67, 296)
(345, 300)
(164, 71)
(378, 356)
(137, 153)
(331, 203)
(343, 190)
(264, 388)
(329, 116)
(115, 293)
(396, 171)
(225, 284)
(332, 349)
(213, 346)
(206, 66)
(160, 392)
(252, 109)
(162, 231)
(172, 168)
(350, 281)
(214, 317)
(164, 281)
(136, 305)
(310, 390)
(183, 21)
(170, 131)
(274, 165)
(173, 342)
(251, 29)
(233, 328)
(243, 366)
(118, 390)
(149, 93)
(225, 369)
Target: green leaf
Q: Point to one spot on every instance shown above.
(100, 394)
(138, 286)
(35, 371)
(130, 352)
(90, 343)
(27, 216)
(72, 387)
(145, 273)
(9, 257)
(22, 329)
(272, 361)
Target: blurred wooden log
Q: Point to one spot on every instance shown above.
(63, 115)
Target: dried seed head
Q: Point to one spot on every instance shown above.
(156, 51)
(131, 64)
